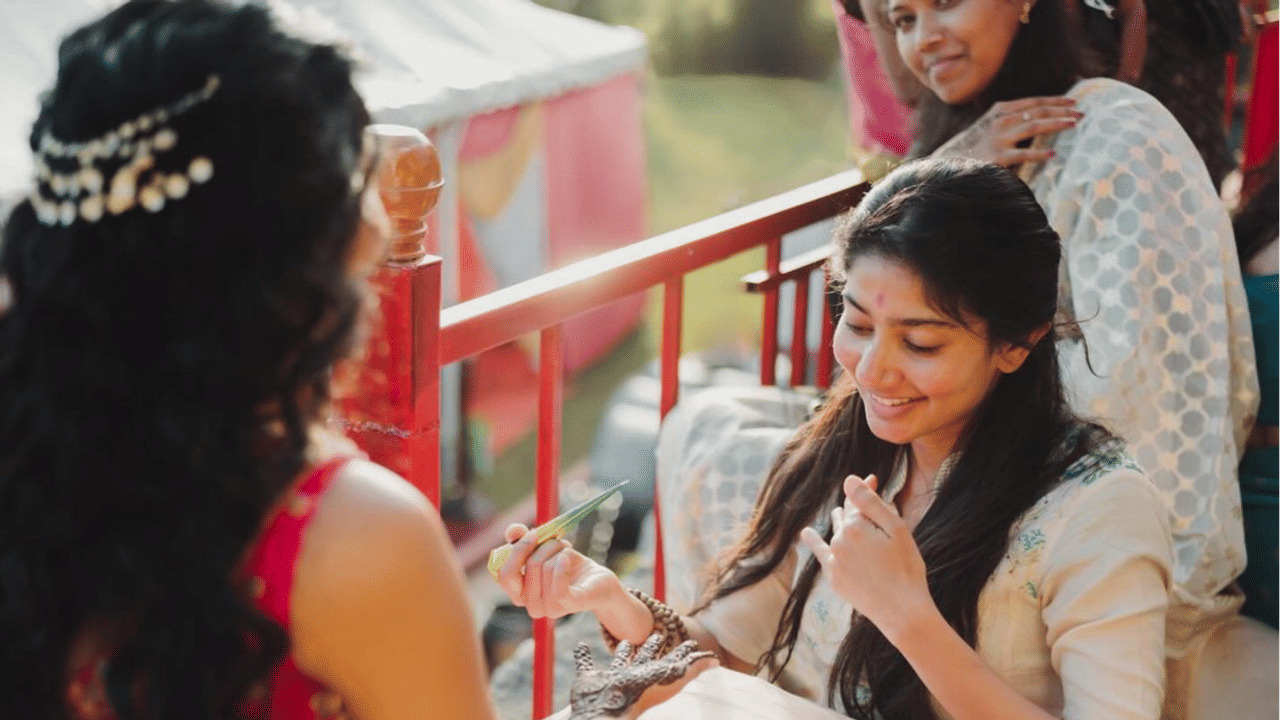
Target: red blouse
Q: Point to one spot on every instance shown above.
(292, 695)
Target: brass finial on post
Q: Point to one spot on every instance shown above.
(409, 181)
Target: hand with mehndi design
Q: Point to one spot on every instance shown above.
(621, 688)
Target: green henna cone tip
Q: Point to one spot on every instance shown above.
(555, 528)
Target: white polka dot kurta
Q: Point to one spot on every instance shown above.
(1150, 272)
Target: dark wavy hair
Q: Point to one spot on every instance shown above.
(159, 371)
(982, 246)
(1047, 57)
(1257, 223)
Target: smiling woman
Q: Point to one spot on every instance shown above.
(921, 374)
(943, 499)
(952, 403)
(958, 48)
(973, 54)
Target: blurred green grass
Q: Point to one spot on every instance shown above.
(714, 143)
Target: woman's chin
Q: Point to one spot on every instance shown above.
(890, 432)
(952, 96)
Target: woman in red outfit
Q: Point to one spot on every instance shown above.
(180, 535)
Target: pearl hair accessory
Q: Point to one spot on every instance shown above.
(80, 190)
(1102, 7)
(6, 294)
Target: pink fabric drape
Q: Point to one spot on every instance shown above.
(877, 120)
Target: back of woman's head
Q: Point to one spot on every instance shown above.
(975, 235)
(179, 291)
(1047, 57)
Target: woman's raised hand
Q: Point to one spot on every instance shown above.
(872, 562)
(995, 137)
(552, 579)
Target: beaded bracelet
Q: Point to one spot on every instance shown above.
(665, 621)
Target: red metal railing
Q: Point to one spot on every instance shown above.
(397, 417)
(797, 270)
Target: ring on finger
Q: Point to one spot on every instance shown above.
(1026, 116)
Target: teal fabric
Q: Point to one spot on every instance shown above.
(1259, 580)
(1263, 292)
(1259, 485)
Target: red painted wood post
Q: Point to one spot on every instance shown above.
(423, 444)
(550, 406)
(390, 397)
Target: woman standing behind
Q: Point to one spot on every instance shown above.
(180, 535)
(1149, 267)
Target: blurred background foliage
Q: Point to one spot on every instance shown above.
(742, 100)
(773, 38)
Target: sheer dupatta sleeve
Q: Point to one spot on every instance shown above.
(1151, 274)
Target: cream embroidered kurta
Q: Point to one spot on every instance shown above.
(1150, 271)
(714, 453)
(1072, 618)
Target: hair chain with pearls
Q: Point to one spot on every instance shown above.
(1102, 7)
(68, 191)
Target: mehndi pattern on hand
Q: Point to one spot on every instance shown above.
(611, 691)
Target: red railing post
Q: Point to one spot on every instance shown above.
(389, 399)
(800, 331)
(826, 358)
(769, 326)
(798, 270)
(550, 405)
(672, 330)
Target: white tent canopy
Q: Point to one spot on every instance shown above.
(428, 62)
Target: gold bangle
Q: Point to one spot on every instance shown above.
(665, 621)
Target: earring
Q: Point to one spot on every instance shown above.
(1026, 12)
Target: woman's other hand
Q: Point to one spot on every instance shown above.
(872, 562)
(995, 137)
(552, 579)
(628, 686)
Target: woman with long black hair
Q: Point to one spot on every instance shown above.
(945, 538)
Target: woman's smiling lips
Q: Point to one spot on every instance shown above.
(890, 407)
(944, 65)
